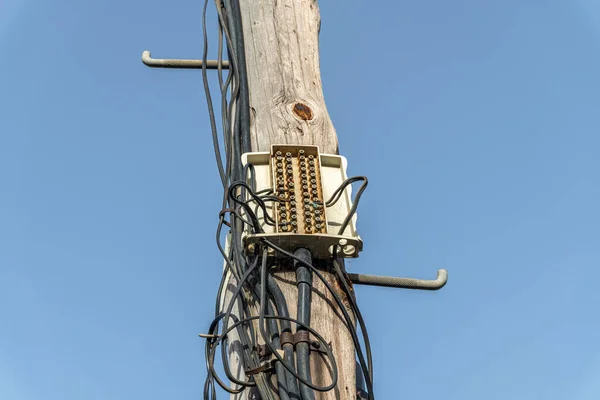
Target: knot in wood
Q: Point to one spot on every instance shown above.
(303, 111)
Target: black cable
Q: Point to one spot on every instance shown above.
(354, 207)
(322, 342)
(210, 349)
(224, 86)
(211, 111)
(274, 337)
(304, 284)
(246, 342)
(286, 328)
(248, 190)
(261, 326)
(227, 108)
(340, 304)
(337, 194)
(244, 99)
(361, 322)
(339, 301)
(212, 344)
(236, 273)
(244, 205)
(279, 368)
(236, 143)
(247, 345)
(225, 317)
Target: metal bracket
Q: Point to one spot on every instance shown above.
(404, 283)
(262, 368)
(321, 245)
(263, 350)
(181, 64)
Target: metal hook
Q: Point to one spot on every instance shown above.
(405, 283)
(184, 64)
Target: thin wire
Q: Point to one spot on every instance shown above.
(337, 194)
(366, 365)
(354, 207)
(361, 322)
(352, 330)
(261, 325)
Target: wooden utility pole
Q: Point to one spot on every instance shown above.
(287, 107)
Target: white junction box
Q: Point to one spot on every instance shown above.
(304, 181)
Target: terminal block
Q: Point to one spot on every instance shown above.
(297, 182)
(303, 180)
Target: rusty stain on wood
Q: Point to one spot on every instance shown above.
(303, 111)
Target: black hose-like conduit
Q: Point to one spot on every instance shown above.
(304, 283)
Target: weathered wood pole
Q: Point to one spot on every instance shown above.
(287, 107)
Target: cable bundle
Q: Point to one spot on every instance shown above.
(257, 307)
(257, 297)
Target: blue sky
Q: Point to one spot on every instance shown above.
(475, 121)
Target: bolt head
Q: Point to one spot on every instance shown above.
(349, 250)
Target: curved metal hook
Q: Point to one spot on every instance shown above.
(185, 64)
(405, 283)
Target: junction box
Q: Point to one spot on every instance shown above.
(303, 180)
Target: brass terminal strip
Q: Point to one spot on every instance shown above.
(296, 174)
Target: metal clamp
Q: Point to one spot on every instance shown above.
(405, 283)
(182, 64)
(286, 338)
(301, 336)
(295, 338)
